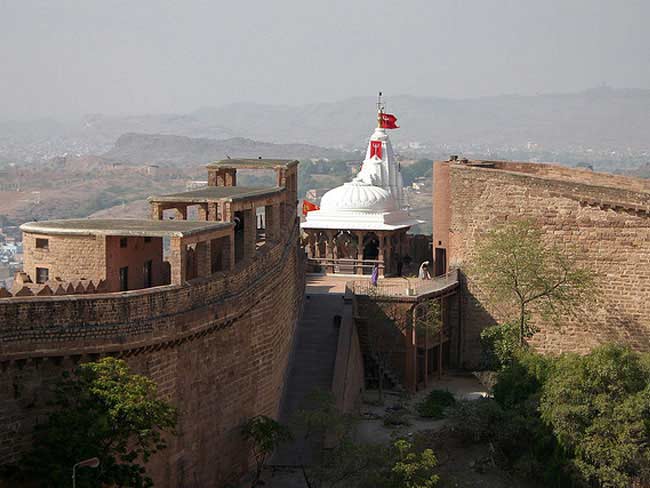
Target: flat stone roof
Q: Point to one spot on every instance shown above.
(212, 193)
(253, 163)
(123, 227)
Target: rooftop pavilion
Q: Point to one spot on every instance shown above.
(224, 173)
(122, 227)
(125, 254)
(259, 214)
(217, 193)
(225, 224)
(254, 163)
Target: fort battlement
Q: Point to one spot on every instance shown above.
(216, 339)
(602, 220)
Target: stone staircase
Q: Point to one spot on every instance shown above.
(312, 367)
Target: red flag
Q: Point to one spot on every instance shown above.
(375, 149)
(388, 121)
(307, 206)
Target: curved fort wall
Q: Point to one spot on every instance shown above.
(217, 347)
(603, 220)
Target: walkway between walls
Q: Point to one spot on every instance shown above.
(312, 366)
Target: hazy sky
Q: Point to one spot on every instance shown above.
(66, 58)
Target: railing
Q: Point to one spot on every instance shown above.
(353, 264)
(405, 287)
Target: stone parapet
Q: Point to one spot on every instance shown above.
(217, 346)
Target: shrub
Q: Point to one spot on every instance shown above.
(435, 403)
(476, 420)
(598, 407)
(402, 466)
(521, 378)
(499, 343)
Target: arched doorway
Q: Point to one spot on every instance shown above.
(370, 249)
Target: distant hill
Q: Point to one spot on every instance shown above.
(137, 149)
(599, 118)
(604, 120)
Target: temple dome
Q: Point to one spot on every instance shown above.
(357, 197)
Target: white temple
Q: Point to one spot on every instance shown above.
(363, 222)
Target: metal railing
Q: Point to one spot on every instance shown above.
(353, 264)
(405, 287)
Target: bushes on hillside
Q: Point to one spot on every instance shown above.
(599, 409)
(569, 421)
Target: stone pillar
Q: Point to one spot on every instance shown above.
(156, 211)
(230, 177)
(389, 255)
(249, 233)
(308, 245)
(212, 177)
(329, 254)
(181, 212)
(213, 212)
(317, 245)
(203, 211)
(359, 235)
(281, 177)
(227, 215)
(177, 260)
(380, 256)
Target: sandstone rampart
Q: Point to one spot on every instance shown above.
(217, 347)
(603, 221)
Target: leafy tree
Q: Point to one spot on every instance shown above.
(521, 271)
(266, 435)
(499, 345)
(598, 407)
(104, 411)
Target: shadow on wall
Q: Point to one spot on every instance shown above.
(381, 327)
(474, 318)
(625, 329)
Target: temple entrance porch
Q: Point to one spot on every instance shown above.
(356, 252)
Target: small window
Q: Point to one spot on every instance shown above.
(147, 239)
(42, 275)
(42, 243)
(123, 241)
(124, 278)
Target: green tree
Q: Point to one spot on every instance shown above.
(526, 274)
(101, 410)
(404, 466)
(598, 407)
(266, 435)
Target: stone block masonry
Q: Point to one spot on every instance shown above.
(602, 220)
(216, 346)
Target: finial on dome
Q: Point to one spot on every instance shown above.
(380, 109)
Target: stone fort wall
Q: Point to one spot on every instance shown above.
(602, 220)
(217, 347)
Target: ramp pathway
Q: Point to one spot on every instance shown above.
(312, 364)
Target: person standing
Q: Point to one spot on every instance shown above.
(423, 273)
(375, 275)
